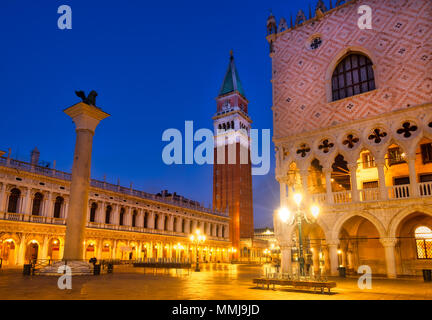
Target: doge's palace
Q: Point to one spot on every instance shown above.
(352, 112)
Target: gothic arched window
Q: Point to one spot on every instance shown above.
(37, 204)
(353, 75)
(93, 212)
(108, 215)
(57, 207)
(13, 200)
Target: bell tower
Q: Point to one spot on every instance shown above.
(232, 170)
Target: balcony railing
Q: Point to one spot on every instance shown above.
(21, 217)
(31, 218)
(373, 194)
(25, 166)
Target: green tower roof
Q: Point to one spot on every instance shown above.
(231, 81)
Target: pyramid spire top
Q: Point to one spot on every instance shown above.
(231, 81)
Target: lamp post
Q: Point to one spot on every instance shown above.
(297, 217)
(196, 240)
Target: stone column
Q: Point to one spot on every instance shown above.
(99, 245)
(3, 198)
(286, 260)
(304, 173)
(333, 255)
(25, 207)
(354, 189)
(413, 176)
(86, 119)
(151, 220)
(315, 260)
(44, 252)
(21, 250)
(283, 194)
(49, 206)
(389, 248)
(381, 179)
(329, 192)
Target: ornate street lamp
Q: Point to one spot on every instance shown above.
(298, 216)
(196, 240)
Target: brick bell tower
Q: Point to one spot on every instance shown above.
(232, 170)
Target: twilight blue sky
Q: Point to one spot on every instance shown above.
(155, 64)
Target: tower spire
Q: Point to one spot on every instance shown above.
(231, 81)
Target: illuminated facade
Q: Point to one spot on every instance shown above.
(122, 223)
(353, 132)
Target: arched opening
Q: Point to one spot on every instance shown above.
(367, 177)
(190, 226)
(316, 180)
(175, 224)
(106, 251)
(37, 204)
(183, 226)
(93, 209)
(7, 252)
(145, 224)
(122, 213)
(156, 221)
(54, 249)
(341, 180)
(414, 248)
(134, 216)
(397, 172)
(315, 253)
(165, 226)
(360, 245)
(14, 197)
(353, 75)
(423, 166)
(108, 215)
(32, 251)
(58, 206)
(90, 251)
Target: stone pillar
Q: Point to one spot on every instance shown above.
(26, 205)
(49, 206)
(354, 189)
(315, 260)
(114, 250)
(86, 119)
(43, 254)
(99, 249)
(151, 221)
(3, 198)
(21, 250)
(381, 179)
(389, 248)
(304, 173)
(286, 260)
(333, 255)
(329, 191)
(283, 194)
(413, 176)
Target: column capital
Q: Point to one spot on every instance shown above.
(85, 117)
(352, 165)
(332, 242)
(388, 242)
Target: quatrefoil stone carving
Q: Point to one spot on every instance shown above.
(350, 141)
(326, 146)
(406, 129)
(303, 150)
(377, 135)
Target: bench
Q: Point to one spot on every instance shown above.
(321, 285)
